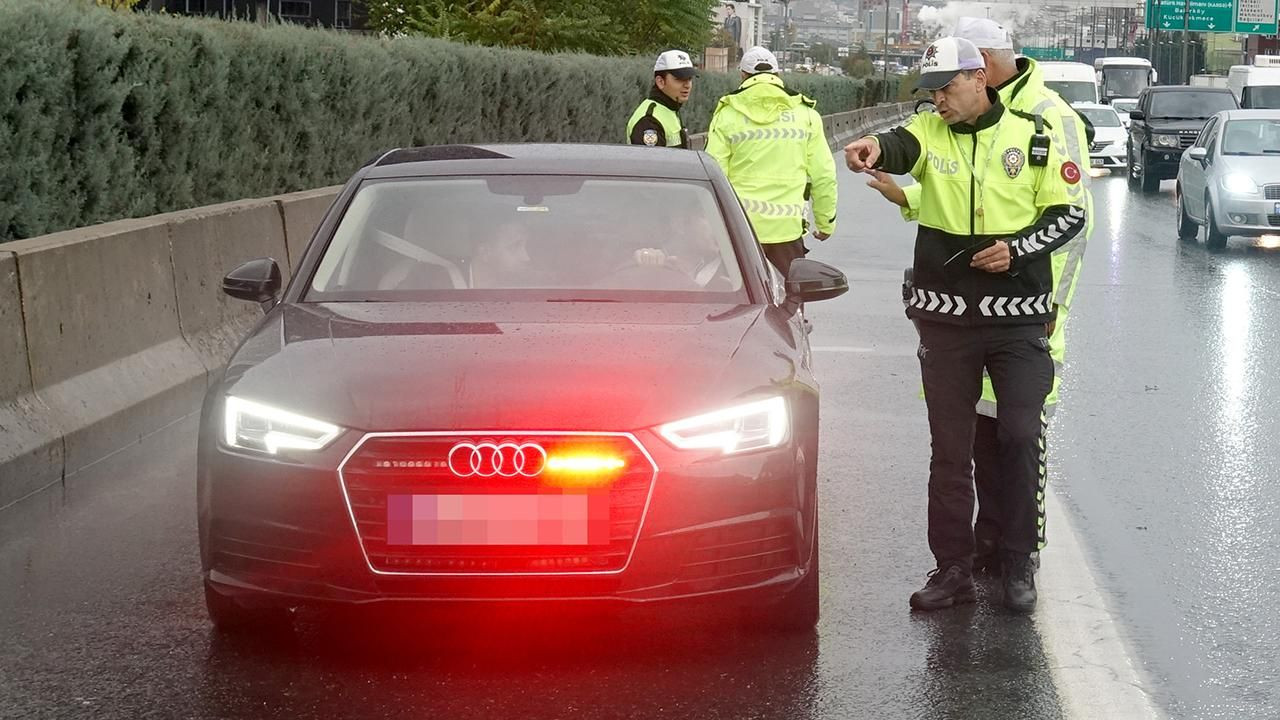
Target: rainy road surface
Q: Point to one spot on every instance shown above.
(1157, 595)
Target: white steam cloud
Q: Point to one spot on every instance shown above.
(939, 22)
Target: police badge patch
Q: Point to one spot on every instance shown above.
(650, 137)
(1013, 161)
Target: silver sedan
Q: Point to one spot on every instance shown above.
(1229, 180)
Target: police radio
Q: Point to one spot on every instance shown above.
(1038, 152)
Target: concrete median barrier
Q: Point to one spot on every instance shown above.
(30, 445)
(208, 243)
(106, 351)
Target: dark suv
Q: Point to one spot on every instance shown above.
(1166, 122)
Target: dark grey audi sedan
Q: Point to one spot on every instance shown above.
(544, 373)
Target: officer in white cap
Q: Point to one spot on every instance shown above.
(770, 143)
(998, 197)
(656, 122)
(1020, 84)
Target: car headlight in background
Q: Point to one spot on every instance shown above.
(752, 426)
(1239, 184)
(1167, 141)
(254, 426)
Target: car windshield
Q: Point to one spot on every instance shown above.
(1192, 105)
(1100, 117)
(1262, 97)
(1251, 137)
(1124, 81)
(1124, 106)
(1074, 91)
(530, 237)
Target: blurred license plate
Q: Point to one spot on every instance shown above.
(1096, 162)
(566, 519)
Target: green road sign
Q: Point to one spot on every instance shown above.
(1256, 16)
(1044, 53)
(1225, 16)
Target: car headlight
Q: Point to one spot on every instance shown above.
(254, 426)
(1239, 184)
(1169, 141)
(752, 426)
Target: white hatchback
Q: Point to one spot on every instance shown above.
(1108, 148)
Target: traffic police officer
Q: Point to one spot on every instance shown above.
(998, 197)
(656, 122)
(771, 145)
(1020, 84)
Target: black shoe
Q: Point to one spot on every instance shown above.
(1019, 583)
(986, 557)
(947, 586)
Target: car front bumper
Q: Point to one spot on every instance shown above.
(1108, 159)
(1246, 215)
(1162, 162)
(280, 531)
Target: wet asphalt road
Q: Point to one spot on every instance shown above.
(1160, 451)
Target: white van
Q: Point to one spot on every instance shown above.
(1075, 82)
(1258, 85)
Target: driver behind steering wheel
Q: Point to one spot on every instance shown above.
(690, 248)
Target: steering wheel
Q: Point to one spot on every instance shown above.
(634, 276)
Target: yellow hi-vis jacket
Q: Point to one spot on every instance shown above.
(770, 143)
(1027, 92)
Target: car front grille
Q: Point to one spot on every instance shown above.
(1098, 146)
(1274, 220)
(416, 465)
(1186, 140)
(1272, 192)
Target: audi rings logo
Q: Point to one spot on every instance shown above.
(505, 459)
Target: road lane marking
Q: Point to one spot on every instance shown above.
(1091, 662)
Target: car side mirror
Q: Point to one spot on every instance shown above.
(256, 281)
(810, 281)
(1137, 115)
(1198, 154)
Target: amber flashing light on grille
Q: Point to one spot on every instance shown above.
(582, 469)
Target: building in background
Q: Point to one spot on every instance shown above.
(750, 20)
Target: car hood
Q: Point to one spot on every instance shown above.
(1159, 125)
(494, 366)
(1109, 134)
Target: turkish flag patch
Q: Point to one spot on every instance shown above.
(1070, 172)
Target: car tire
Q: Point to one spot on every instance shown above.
(799, 610)
(1149, 182)
(230, 616)
(1133, 170)
(1213, 237)
(1187, 229)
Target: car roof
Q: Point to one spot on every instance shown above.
(1250, 114)
(1186, 88)
(1093, 106)
(540, 159)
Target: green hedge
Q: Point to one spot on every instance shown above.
(109, 115)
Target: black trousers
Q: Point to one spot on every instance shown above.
(952, 358)
(986, 480)
(781, 254)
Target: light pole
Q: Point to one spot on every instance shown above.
(885, 71)
(1186, 24)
